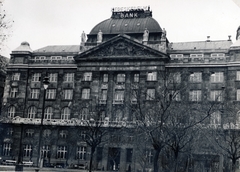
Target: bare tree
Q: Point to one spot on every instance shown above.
(5, 25)
(167, 116)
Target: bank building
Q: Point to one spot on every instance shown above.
(125, 99)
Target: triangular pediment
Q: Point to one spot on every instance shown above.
(121, 46)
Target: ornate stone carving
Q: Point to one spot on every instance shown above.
(122, 48)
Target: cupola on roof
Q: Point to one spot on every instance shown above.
(128, 20)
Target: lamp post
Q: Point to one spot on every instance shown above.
(45, 85)
(19, 165)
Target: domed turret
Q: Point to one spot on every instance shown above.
(24, 47)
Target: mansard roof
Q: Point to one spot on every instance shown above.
(58, 49)
(121, 46)
(202, 45)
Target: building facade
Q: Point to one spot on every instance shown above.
(120, 54)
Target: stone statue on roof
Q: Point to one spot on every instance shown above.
(164, 33)
(238, 33)
(99, 36)
(145, 35)
(83, 37)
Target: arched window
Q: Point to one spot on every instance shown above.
(11, 111)
(48, 113)
(65, 113)
(32, 111)
(84, 114)
(118, 115)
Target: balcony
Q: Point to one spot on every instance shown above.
(118, 101)
(134, 101)
(102, 101)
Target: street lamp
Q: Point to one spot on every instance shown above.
(45, 86)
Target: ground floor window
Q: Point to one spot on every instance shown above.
(7, 147)
(81, 152)
(61, 152)
(27, 151)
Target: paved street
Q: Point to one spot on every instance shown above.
(32, 169)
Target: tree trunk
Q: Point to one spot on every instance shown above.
(91, 158)
(155, 160)
(234, 165)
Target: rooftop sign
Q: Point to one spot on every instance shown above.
(131, 12)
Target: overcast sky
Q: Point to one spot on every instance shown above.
(61, 22)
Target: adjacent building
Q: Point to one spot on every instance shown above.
(128, 49)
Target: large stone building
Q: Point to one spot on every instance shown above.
(96, 77)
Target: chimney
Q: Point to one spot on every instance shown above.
(208, 38)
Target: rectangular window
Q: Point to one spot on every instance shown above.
(136, 77)
(176, 56)
(218, 55)
(81, 152)
(149, 156)
(238, 94)
(175, 95)
(29, 132)
(104, 95)
(105, 77)
(215, 119)
(61, 152)
(27, 151)
(36, 77)
(11, 111)
(120, 78)
(13, 92)
(69, 77)
(196, 55)
(7, 147)
(46, 151)
(86, 93)
(68, 94)
(216, 95)
(238, 75)
(150, 94)
(119, 95)
(134, 96)
(217, 77)
(87, 76)
(196, 77)
(51, 93)
(53, 77)
(152, 76)
(63, 134)
(16, 76)
(9, 131)
(34, 93)
(195, 95)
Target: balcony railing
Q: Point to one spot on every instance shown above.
(102, 101)
(68, 122)
(118, 101)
